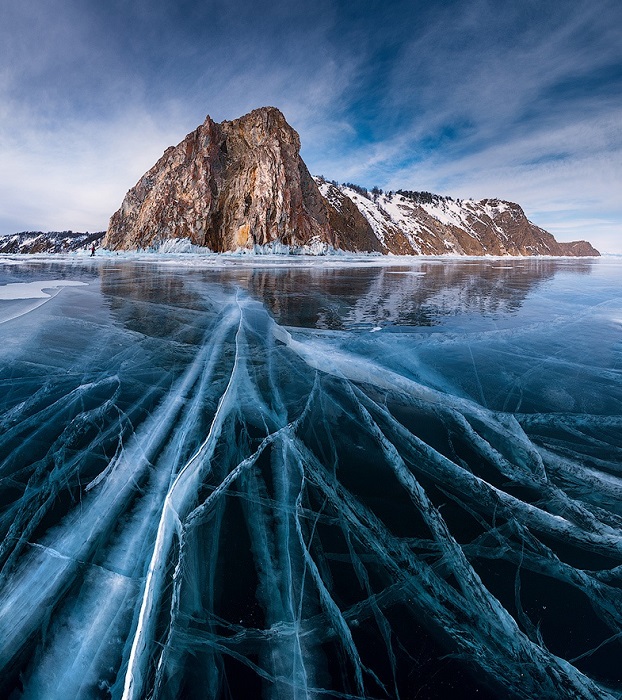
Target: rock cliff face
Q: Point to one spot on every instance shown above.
(226, 186)
(242, 183)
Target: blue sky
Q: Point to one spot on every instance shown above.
(519, 99)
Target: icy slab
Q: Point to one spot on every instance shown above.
(284, 481)
(33, 290)
(20, 298)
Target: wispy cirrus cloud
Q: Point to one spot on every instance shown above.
(90, 99)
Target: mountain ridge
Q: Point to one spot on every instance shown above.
(31, 242)
(423, 223)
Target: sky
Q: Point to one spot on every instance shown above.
(516, 99)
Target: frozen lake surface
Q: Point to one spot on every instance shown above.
(259, 479)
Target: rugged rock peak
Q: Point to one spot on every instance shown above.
(226, 186)
(263, 126)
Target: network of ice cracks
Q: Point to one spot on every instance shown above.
(231, 529)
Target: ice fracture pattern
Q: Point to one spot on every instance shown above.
(393, 482)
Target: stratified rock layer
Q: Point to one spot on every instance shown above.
(242, 183)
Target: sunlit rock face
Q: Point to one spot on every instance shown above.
(226, 186)
(242, 183)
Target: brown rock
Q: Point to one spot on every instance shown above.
(353, 231)
(578, 249)
(226, 186)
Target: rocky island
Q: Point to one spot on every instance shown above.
(241, 184)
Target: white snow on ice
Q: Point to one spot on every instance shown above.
(34, 290)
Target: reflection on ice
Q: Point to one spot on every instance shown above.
(215, 493)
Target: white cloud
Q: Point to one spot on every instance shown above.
(532, 124)
(74, 177)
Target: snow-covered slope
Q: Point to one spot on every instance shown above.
(421, 223)
(50, 242)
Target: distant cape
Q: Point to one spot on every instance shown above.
(242, 184)
(49, 241)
